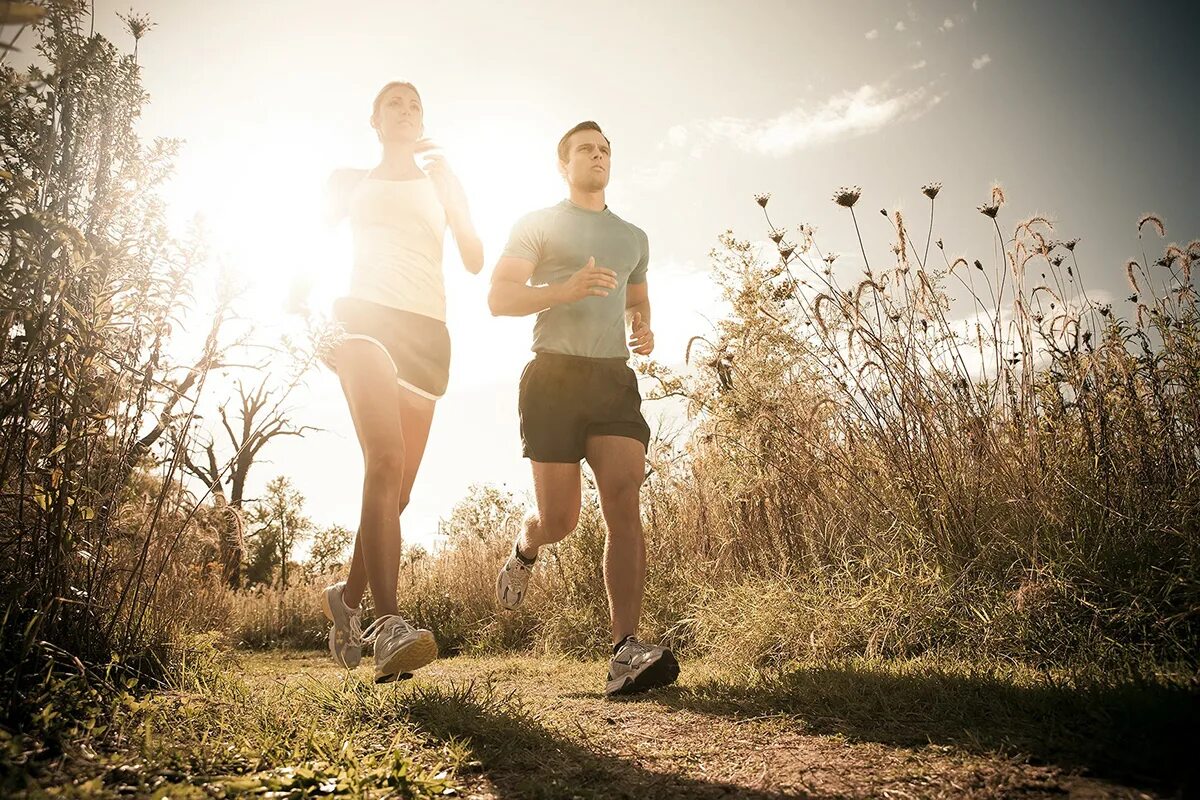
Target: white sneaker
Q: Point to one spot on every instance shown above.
(345, 637)
(399, 647)
(636, 667)
(513, 580)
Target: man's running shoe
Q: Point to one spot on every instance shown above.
(513, 579)
(637, 667)
(399, 647)
(345, 637)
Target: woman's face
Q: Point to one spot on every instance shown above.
(399, 117)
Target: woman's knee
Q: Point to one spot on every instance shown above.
(385, 461)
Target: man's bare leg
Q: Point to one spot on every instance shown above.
(619, 464)
(557, 490)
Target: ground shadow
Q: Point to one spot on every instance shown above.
(524, 759)
(1138, 732)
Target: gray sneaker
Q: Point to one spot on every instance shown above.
(513, 580)
(399, 647)
(638, 667)
(346, 635)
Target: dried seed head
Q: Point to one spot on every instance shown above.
(762, 199)
(903, 253)
(831, 257)
(776, 235)
(847, 196)
(786, 251)
(931, 190)
(1070, 244)
(978, 265)
(997, 195)
(990, 210)
(957, 261)
(1153, 220)
(1057, 261)
(939, 244)
(1130, 266)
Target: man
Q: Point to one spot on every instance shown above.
(582, 270)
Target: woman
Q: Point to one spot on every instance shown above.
(392, 356)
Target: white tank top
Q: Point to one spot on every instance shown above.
(398, 229)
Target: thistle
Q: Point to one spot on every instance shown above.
(847, 196)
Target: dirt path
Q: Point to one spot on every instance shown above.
(529, 727)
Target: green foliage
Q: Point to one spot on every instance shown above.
(278, 526)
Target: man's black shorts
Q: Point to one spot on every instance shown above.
(565, 399)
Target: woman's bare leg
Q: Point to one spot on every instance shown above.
(416, 416)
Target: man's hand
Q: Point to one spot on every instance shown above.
(589, 281)
(641, 338)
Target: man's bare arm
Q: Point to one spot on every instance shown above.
(512, 296)
(637, 315)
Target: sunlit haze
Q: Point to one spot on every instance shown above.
(1079, 113)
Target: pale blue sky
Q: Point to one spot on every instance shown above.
(1083, 111)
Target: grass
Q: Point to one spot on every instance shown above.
(292, 724)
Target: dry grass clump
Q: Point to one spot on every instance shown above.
(876, 466)
(880, 467)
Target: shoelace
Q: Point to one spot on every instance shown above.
(356, 631)
(637, 648)
(387, 628)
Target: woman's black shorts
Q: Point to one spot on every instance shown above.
(418, 346)
(565, 399)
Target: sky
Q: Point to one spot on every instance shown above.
(1082, 111)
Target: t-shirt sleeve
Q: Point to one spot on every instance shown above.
(639, 272)
(526, 238)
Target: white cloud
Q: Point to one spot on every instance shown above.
(656, 176)
(900, 26)
(946, 25)
(873, 34)
(918, 65)
(843, 116)
(981, 62)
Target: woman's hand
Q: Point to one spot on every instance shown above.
(449, 190)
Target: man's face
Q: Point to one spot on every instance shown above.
(400, 117)
(588, 161)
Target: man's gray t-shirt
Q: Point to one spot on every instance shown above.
(559, 241)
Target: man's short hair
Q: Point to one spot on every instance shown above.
(586, 125)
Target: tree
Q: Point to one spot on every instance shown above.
(330, 550)
(280, 526)
(261, 419)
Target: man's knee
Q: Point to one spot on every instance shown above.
(557, 523)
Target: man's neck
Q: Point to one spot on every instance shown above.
(592, 201)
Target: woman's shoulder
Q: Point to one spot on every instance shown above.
(345, 177)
